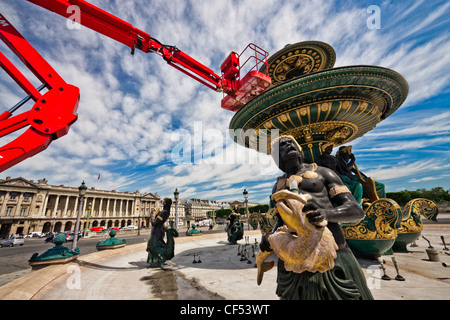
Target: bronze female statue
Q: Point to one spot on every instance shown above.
(235, 229)
(158, 250)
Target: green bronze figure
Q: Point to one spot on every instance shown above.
(234, 229)
(111, 243)
(56, 255)
(158, 250)
(311, 200)
(360, 185)
(194, 231)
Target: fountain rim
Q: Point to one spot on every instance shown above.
(389, 74)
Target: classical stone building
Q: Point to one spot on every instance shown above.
(194, 210)
(27, 206)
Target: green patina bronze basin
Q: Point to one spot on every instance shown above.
(336, 105)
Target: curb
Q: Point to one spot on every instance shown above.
(27, 286)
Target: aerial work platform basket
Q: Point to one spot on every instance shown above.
(249, 86)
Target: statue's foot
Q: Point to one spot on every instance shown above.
(156, 265)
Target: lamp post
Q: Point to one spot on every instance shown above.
(245, 193)
(139, 216)
(188, 213)
(175, 194)
(88, 220)
(81, 193)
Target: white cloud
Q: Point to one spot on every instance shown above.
(130, 105)
(424, 179)
(403, 169)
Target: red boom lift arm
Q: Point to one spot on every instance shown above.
(55, 111)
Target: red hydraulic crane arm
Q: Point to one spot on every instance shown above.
(109, 25)
(53, 112)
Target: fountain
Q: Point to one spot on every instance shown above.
(111, 243)
(318, 105)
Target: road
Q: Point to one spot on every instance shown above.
(16, 258)
(13, 259)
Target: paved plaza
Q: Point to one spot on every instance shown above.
(221, 275)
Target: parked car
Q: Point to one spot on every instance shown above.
(70, 235)
(34, 234)
(130, 227)
(13, 241)
(113, 228)
(97, 229)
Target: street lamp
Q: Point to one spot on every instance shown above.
(245, 193)
(81, 193)
(175, 194)
(88, 219)
(139, 216)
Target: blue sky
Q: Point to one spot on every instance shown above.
(135, 110)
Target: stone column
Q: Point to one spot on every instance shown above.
(65, 206)
(107, 208)
(16, 212)
(55, 208)
(100, 207)
(5, 200)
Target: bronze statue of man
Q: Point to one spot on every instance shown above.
(330, 201)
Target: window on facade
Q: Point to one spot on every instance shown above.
(13, 195)
(26, 196)
(23, 210)
(8, 211)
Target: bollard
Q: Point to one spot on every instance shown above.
(433, 254)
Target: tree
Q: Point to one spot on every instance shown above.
(437, 195)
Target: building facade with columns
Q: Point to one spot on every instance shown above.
(27, 206)
(194, 210)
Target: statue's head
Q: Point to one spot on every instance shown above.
(167, 202)
(344, 151)
(59, 239)
(285, 148)
(328, 147)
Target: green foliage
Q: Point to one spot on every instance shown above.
(437, 195)
(224, 213)
(259, 208)
(221, 213)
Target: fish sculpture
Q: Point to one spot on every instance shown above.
(303, 246)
